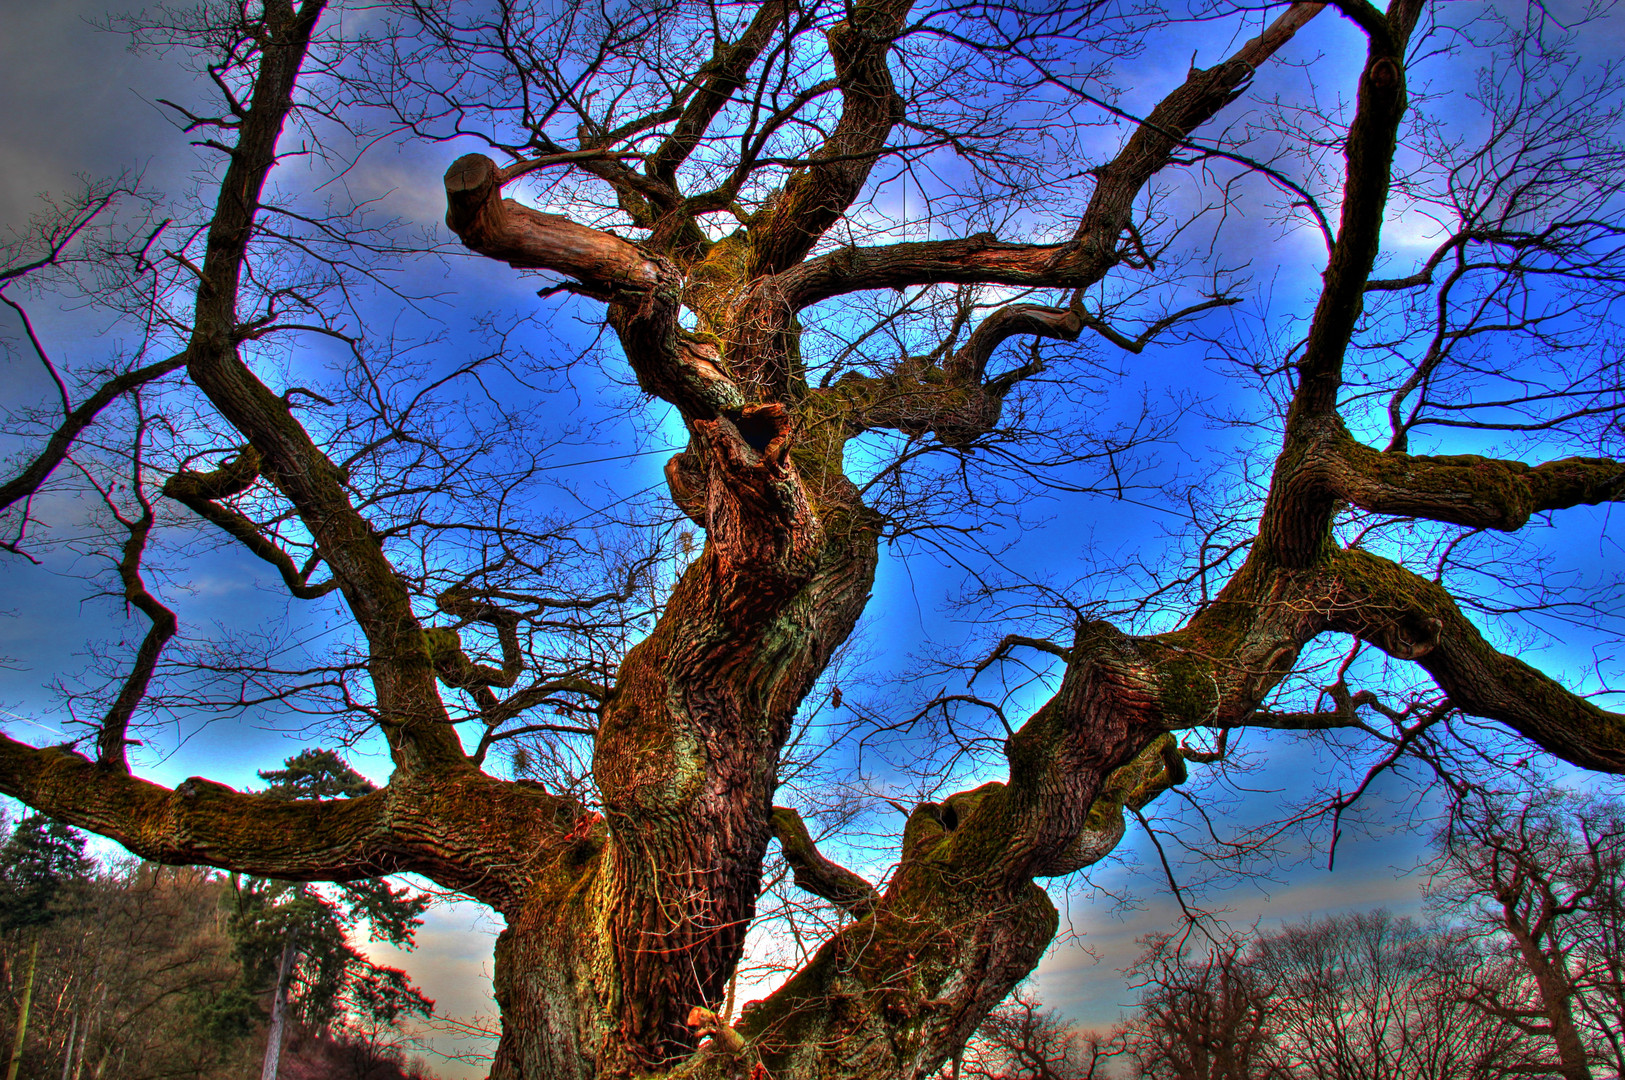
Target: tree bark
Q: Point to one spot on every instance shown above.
(272, 1061)
(621, 926)
(1556, 996)
(24, 1003)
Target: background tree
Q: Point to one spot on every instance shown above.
(1361, 996)
(1541, 878)
(297, 940)
(719, 183)
(1202, 1017)
(138, 980)
(1021, 1040)
(1603, 942)
(39, 864)
(1370, 995)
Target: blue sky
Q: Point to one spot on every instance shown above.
(76, 101)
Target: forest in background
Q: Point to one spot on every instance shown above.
(133, 970)
(1519, 971)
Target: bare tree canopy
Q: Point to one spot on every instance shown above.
(879, 260)
(1542, 876)
(1365, 996)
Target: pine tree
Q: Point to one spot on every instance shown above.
(295, 939)
(39, 860)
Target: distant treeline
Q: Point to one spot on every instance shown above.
(135, 971)
(1519, 974)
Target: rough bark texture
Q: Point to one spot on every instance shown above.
(621, 926)
(272, 1063)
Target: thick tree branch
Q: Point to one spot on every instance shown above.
(982, 258)
(1093, 249)
(643, 290)
(1412, 618)
(201, 822)
(1131, 787)
(817, 874)
(446, 650)
(952, 399)
(413, 715)
(720, 80)
(970, 361)
(814, 198)
(1369, 151)
(201, 492)
(528, 239)
(1151, 146)
(465, 831)
(1296, 524)
(1466, 489)
(1323, 467)
(111, 739)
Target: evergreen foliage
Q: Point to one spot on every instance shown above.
(330, 976)
(39, 862)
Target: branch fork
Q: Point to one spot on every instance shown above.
(758, 515)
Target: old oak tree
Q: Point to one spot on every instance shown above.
(727, 190)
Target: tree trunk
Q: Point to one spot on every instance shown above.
(1556, 999)
(547, 992)
(279, 1010)
(22, 1008)
(84, 1033)
(619, 927)
(68, 1048)
(84, 1044)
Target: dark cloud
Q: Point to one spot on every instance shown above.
(77, 100)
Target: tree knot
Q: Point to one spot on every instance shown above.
(1384, 74)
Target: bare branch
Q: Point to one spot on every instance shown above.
(201, 493)
(818, 875)
(35, 473)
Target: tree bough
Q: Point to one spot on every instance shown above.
(735, 197)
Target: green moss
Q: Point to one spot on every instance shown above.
(1156, 769)
(1490, 491)
(714, 281)
(442, 643)
(1188, 688)
(966, 803)
(704, 337)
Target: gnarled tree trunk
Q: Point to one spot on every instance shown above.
(625, 927)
